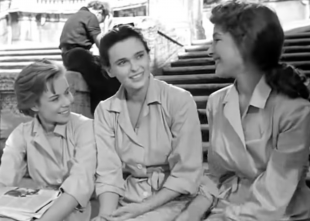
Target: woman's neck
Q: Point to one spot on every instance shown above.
(47, 127)
(138, 96)
(247, 81)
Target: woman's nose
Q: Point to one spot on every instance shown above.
(210, 50)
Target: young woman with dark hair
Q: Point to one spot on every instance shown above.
(149, 129)
(259, 126)
(57, 148)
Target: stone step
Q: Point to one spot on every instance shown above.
(288, 54)
(16, 65)
(201, 42)
(210, 69)
(302, 56)
(298, 49)
(292, 39)
(299, 42)
(31, 58)
(204, 48)
(303, 65)
(194, 59)
(205, 146)
(193, 48)
(205, 132)
(194, 54)
(202, 115)
(202, 89)
(193, 79)
(27, 48)
(30, 52)
(298, 35)
(192, 62)
(201, 101)
(189, 70)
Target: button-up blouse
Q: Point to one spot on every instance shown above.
(258, 161)
(65, 159)
(164, 150)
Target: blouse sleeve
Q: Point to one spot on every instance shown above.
(13, 162)
(81, 180)
(273, 190)
(185, 160)
(109, 173)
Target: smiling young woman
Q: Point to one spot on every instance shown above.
(259, 126)
(149, 128)
(57, 147)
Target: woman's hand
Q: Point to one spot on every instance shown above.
(131, 210)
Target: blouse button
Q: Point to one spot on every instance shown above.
(140, 166)
(145, 194)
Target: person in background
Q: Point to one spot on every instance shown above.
(259, 126)
(151, 130)
(79, 33)
(57, 148)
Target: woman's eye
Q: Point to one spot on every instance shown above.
(121, 63)
(55, 99)
(140, 56)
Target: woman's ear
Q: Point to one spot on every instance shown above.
(108, 70)
(35, 108)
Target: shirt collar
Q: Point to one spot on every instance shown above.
(60, 129)
(152, 96)
(84, 9)
(260, 94)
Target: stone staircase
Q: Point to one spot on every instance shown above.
(194, 70)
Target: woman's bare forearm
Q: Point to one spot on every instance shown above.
(163, 196)
(63, 206)
(108, 203)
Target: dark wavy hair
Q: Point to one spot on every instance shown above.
(32, 81)
(257, 32)
(99, 5)
(117, 34)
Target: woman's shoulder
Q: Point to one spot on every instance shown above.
(77, 120)
(171, 93)
(23, 130)
(285, 106)
(218, 96)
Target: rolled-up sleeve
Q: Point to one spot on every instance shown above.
(81, 180)
(109, 173)
(13, 162)
(273, 190)
(185, 160)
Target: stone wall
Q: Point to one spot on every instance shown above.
(3, 30)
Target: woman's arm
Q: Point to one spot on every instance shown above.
(110, 202)
(209, 182)
(79, 185)
(185, 160)
(62, 207)
(109, 174)
(13, 162)
(273, 190)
